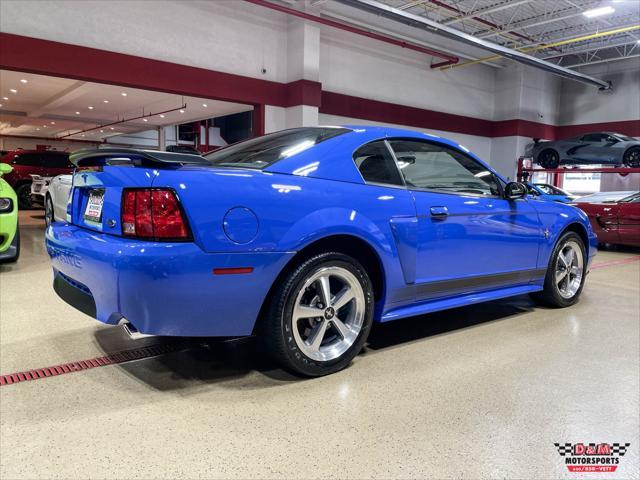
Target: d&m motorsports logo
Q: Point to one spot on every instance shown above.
(592, 457)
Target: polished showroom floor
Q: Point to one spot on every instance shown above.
(476, 392)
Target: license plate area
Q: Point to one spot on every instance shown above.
(95, 203)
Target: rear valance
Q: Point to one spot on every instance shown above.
(133, 157)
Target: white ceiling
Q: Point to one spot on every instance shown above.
(532, 24)
(53, 107)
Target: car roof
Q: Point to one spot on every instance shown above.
(326, 159)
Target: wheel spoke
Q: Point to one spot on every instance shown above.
(342, 328)
(343, 297)
(569, 257)
(325, 290)
(305, 311)
(317, 335)
(560, 274)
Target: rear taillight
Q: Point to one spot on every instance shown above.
(153, 213)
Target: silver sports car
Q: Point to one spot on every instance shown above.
(591, 148)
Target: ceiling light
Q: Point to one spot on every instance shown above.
(596, 12)
(161, 116)
(111, 128)
(145, 120)
(105, 101)
(13, 90)
(23, 80)
(77, 113)
(37, 129)
(205, 105)
(181, 111)
(5, 98)
(44, 126)
(90, 108)
(101, 131)
(124, 94)
(82, 135)
(53, 123)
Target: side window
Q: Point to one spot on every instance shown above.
(437, 167)
(28, 159)
(376, 164)
(594, 137)
(57, 160)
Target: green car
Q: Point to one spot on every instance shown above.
(9, 234)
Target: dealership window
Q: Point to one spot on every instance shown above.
(376, 164)
(437, 167)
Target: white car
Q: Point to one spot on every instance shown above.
(56, 199)
(39, 187)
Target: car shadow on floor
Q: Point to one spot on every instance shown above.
(240, 363)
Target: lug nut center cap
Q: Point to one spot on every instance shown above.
(329, 313)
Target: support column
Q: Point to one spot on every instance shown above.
(162, 139)
(303, 63)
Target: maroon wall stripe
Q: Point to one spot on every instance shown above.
(44, 57)
(383, 112)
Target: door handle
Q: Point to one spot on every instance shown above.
(439, 212)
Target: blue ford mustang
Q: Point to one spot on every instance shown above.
(305, 237)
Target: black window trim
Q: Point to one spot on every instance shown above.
(395, 161)
(433, 190)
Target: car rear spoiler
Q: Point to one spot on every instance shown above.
(133, 157)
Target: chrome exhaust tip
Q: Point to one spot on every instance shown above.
(131, 330)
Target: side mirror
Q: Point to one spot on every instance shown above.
(514, 190)
(5, 168)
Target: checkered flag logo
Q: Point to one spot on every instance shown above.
(619, 449)
(563, 448)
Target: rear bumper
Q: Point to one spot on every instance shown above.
(161, 288)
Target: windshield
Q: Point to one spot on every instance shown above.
(551, 190)
(263, 151)
(624, 138)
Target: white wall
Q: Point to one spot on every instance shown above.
(13, 143)
(361, 67)
(527, 93)
(584, 104)
(224, 35)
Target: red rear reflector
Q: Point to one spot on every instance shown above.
(232, 271)
(154, 214)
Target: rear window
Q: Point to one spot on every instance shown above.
(28, 159)
(263, 151)
(57, 160)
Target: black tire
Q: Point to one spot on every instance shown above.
(632, 157)
(23, 193)
(276, 328)
(48, 211)
(15, 245)
(549, 158)
(552, 295)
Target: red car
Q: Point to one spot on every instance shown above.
(614, 216)
(32, 162)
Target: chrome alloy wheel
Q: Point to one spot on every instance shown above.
(328, 313)
(569, 269)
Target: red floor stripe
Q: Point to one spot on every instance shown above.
(80, 365)
(615, 262)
